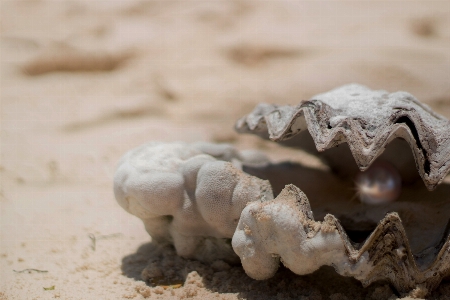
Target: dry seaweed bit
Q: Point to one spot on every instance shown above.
(94, 238)
(165, 283)
(49, 288)
(31, 270)
(172, 286)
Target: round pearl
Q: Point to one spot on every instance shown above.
(380, 183)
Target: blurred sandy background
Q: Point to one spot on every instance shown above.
(84, 81)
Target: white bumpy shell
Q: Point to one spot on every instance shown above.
(189, 195)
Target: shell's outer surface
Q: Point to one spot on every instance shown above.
(284, 230)
(365, 119)
(189, 195)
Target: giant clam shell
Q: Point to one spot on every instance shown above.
(199, 196)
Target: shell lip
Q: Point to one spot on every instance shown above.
(392, 223)
(424, 223)
(387, 248)
(331, 119)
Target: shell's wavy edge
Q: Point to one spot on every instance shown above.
(367, 120)
(284, 230)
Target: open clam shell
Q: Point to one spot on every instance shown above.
(406, 242)
(199, 196)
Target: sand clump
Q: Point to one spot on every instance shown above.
(171, 276)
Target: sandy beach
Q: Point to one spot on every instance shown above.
(82, 82)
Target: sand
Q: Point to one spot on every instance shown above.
(84, 81)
